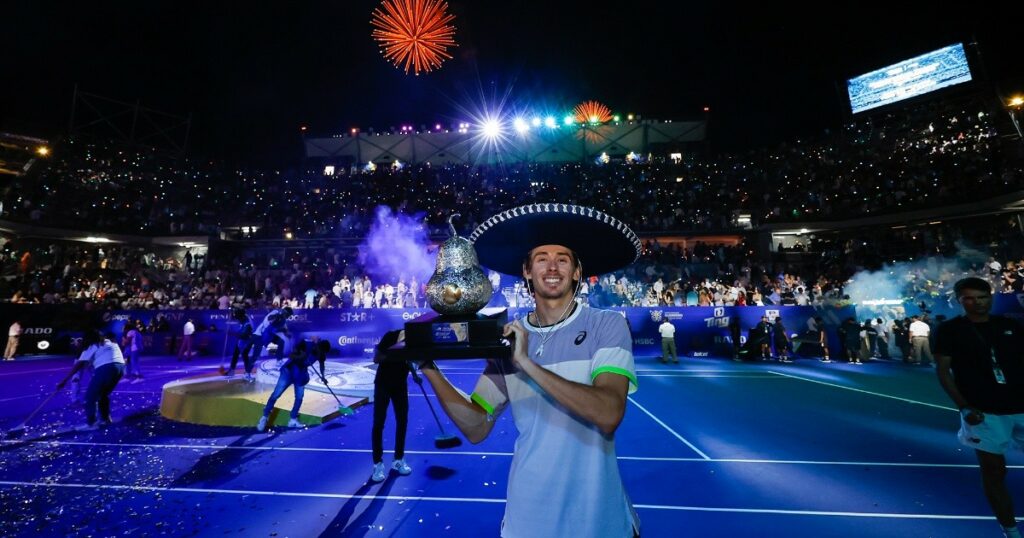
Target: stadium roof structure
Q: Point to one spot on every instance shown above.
(577, 143)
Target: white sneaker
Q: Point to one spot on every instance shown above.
(294, 423)
(402, 467)
(379, 474)
(261, 426)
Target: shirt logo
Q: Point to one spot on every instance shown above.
(581, 337)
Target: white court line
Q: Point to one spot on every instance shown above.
(253, 492)
(926, 404)
(484, 500)
(670, 430)
(40, 371)
(687, 374)
(638, 370)
(881, 515)
(25, 396)
(509, 454)
(260, 448)
(712, 376)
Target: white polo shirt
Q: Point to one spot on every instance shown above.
(565, 479)
(667, 330)
(919, 328)
(102, 354)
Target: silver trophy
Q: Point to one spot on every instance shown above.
(457, 291)
(458, 285)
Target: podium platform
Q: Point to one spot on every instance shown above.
(215, 400)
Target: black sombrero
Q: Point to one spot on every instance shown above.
(602, 242)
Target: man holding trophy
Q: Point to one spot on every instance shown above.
(570, 370)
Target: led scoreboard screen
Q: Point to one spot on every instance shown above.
(909, 78)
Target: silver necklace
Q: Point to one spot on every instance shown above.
(546, 335)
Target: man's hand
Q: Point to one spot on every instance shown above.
(519, 342)
(972, 416)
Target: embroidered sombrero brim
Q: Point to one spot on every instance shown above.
(602, 242)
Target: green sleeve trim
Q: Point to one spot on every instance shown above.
(633, 385)
(482, 403)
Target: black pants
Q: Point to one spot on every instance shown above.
(397, 394)
(104, 380)
(243, 348)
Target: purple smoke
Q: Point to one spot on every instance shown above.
(396, 247)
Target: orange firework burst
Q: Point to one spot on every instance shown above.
(592, 112)
(414, 33)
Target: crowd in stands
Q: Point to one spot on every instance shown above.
(935, 154)
(938, 153)
(128, 277)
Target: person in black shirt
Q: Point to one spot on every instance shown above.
(781, 340)
(981, 368)
(734, 334)
(762, 335)
(243, 345)
(849, 333)
(390, 386)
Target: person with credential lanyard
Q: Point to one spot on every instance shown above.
(567, 379)
(981, 368)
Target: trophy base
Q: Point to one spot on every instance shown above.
(473, 336)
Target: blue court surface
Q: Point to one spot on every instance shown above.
(708, 448)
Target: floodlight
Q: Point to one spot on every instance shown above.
(491, 128)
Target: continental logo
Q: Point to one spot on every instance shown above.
(357, 340)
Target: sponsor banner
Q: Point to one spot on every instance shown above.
(355, 332)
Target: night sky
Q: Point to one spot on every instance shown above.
(251, 73)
